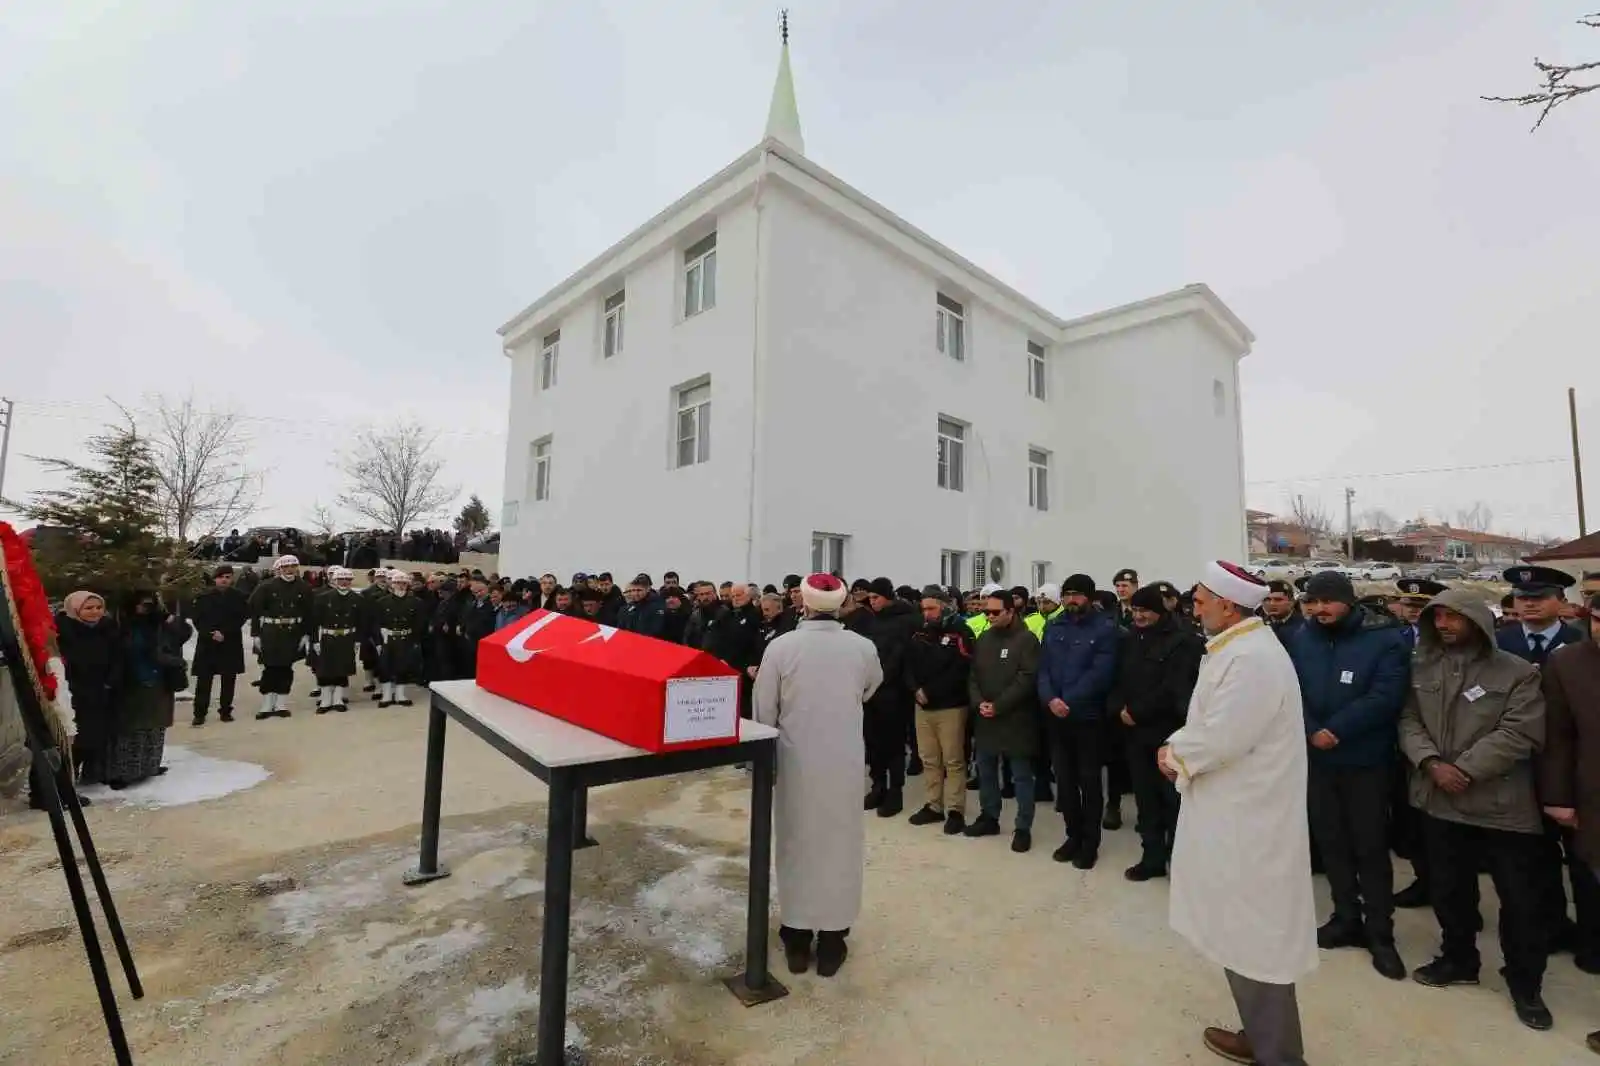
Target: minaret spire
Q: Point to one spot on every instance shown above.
(783, 117)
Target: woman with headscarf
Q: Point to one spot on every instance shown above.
(153, 673)
(91, 652)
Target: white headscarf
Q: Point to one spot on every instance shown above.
(1232, 583)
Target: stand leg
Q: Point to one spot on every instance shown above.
(97, 874)
(551, 1045)
(80, 906)
(428, 868)
(580, 820)
(756, 984)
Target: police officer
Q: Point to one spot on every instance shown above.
(1415, 592)
(1540, 591)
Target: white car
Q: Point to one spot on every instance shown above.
(1487, 573)
(1354, 571)
(1317, 566)
(1381, 572)
(1275, 569)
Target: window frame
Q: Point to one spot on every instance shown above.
(613, 323)
(953, 564)
(952, 455)
(1038, 479)
(699, 264)
(549, 361)
(542, 464)
(1038, 372)
(822, 546)
(701, 409)
(1039, 569)
(947, 309)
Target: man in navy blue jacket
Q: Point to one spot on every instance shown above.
(1077, 667)
(1355, 669)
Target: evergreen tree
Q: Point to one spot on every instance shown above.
(103, 530)
(474, 517)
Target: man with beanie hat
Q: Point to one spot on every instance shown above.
(937, 664)
(1354, 669)
(1077, 666)
(1157, 664)
(888, 712)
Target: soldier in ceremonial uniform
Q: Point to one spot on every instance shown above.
(1405, 828)
(400, 621)
(377, 588)
(280, 633)
(337, 616)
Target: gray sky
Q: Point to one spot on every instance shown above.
(317, 213)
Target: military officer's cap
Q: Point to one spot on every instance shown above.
(1377, 602)
(1126, 574)
(1537, 582)
(1419, 588)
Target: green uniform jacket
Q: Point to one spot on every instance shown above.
(1003, 671)
(337, 618)
(280, 615)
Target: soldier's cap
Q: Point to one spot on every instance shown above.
(1377, 601)
(1126, 574)
(1537, 582)
(1167, 589)
(1281, 587)
(1419, 588)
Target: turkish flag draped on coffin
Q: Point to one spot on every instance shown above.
(644, 692)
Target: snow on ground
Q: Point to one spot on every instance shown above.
(190, 778)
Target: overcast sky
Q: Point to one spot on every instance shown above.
(317, 213)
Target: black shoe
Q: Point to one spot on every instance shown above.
(325, 710)
(954, 822)
(225, 716)
(1043, 794)
(199, 720)
(1386, 960)
(796, 949)
(1443, 972)
(116, 786)
(972, 784)
(386, 703)
(1113, 819)
(284, 712)
(1021, 841)
(1145, 870)
(369, 689)
(1531, 1010)
(1340, 932)
(262, 716)
(404, 703)
(1008, 791)
(1412, 896)
(341, 707)
(913, 767)
(870, 802)
(85, 801)
(983, 826)
(1067, 851)
(1086, 858)
(831, 953)
(893, 803)
(926, 816)
(160, 770)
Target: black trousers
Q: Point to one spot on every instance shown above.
(1114, 750)
(1405, 822)
(1077, 752)
(1350, 810)
(1156, 798)
(202, 693)
(277, 679)
(1584, 938)
(1454, 854)
(884, 728)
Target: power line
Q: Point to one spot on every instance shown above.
(1414, 473)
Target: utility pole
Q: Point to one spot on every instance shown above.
(8, 411)
(1577, 460)
(1349, 526)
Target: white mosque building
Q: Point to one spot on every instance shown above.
(778, 374)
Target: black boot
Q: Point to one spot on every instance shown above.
(1341, 932)
(198, 721)
(1443, 972)
(831, 952)
(1152, 865)
(893, 803)
(874, 797)
(1385, 959)
(914, 766)
(1530, 1008)
(982, 826)
(796, 948)
(926, 816)
(1113, 819)
(225, 715)
(954, 823)
(1412, 896)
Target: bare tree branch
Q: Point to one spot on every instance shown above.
(391, 479)
(1311, 517)
(1558, 88)
(206, 484)
(323, 521)
(1475, 519)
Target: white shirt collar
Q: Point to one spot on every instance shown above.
(1549, 633)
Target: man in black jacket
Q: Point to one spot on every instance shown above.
(219, 615)
(936, 666)
(477, 622)
(894, 622)
(1156, 670)
(1281, 611)
(738, 635)
(643, 613)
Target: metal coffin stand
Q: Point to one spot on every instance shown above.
(567, 831)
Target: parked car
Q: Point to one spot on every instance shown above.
(1487, 573)
(1317, 566)
(1448, 573)
(1273, 568)
(1381, 572)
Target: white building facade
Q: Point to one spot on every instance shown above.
(778, 375)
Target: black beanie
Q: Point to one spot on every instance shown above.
(1082, 584)
(882, 586)
(1149, 598)
(1330, 588)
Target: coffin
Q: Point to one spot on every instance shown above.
(643, 692)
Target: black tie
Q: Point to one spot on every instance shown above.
(1536, 640)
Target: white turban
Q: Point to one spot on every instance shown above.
(1051, 592)
(990, 589)
(823, 593)
(1232, 583)
(285, 560)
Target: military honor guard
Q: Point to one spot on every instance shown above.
(377, 588)
(280, 633)
(400, 620)
(337, 616)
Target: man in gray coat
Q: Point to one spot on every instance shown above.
(1472, 722)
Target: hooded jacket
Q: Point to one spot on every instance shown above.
(1480, 709)
(1353, 678)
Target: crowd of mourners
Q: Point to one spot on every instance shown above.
(360, 550)
(1465, 739)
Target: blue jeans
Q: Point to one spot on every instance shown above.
(989, 787)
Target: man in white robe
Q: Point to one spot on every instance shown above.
(1241, 886)
(810, 685)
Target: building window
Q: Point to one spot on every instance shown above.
(540, 456)
(1041, 574)
(952, 455)
(615, 306)
(694, 424)
(1038, 479)
(549, 353)
(508, 514)
(951, 322)
(700, 277)
(1219, 397)
(1036, 364)
(827, 553)
(952, 565)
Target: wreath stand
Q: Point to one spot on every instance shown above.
(61, 800)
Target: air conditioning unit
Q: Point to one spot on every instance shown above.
(999, 568)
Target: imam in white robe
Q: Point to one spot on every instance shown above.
(1241, 879)
(811, 686)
